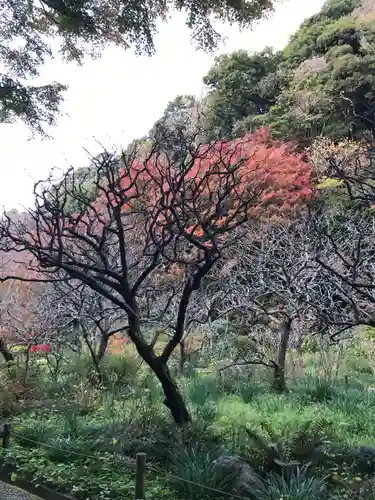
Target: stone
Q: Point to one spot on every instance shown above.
(239, 472)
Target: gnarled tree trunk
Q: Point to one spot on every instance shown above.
(173, 397)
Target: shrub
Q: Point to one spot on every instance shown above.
(203, 392)
(316, 390)
(201, 389)
(34, 431)
(120, 369)
(361, 459)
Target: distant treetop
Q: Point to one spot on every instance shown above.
(85, 27)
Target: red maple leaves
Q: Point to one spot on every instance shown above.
(252, 177)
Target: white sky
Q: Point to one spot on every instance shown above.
(117, 98)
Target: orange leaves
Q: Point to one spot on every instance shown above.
(117, 343)
(195, 231)
(251, 177)
(208, 194)
(169, 275)
(282, 177)
(265, 175)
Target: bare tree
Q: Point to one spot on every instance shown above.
(20, 307)
(268, 276)
(6, 292)
(85, 316)
(345, 249)
(346, 255)
(148, 217)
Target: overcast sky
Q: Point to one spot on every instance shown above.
(117, 98)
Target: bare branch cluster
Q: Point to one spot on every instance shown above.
(142, 239)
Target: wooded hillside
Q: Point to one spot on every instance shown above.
(320, 84)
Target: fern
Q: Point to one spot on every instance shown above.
(313, 436)
(282, 455)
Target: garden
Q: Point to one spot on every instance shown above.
(208, 305)
(316, 440)
(205, 297)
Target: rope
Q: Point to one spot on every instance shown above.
(209, 488)
(72, 452)
(118, 458)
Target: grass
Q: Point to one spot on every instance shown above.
(82, 430)
(298, 487)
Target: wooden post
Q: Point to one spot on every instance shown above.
(346, 381)
(140, 473)
(6, 435)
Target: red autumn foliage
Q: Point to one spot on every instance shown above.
(254, 177)
(269, 169)
(40, 348)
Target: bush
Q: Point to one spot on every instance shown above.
(281, 454)
(80, 367)
(33, 431)
(361, 459)
(120, 370)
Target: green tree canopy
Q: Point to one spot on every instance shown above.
(321, 83)
(85, 27)
(241, 84)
